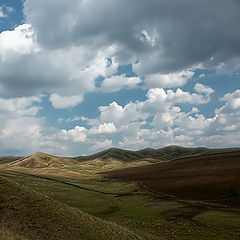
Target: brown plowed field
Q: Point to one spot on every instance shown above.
(213, 177)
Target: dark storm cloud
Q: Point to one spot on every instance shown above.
(29, 75)
(186, 32)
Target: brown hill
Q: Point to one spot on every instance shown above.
(43, 160)
(213, 177)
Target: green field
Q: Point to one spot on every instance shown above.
(143, 213)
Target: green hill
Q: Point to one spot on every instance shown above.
(28, 215)
(162, 154)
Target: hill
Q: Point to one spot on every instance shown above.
(26, 214)
(91, 166)
(213, 177)
(42, 163)
(43, 160)
(9, 159)
(151, 154)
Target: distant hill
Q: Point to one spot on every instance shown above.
(162, 154)
(214, 177)
(9, 159)
(26, 214)
(91, 166)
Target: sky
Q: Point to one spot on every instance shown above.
(81, 76)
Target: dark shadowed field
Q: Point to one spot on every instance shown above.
(214, 177)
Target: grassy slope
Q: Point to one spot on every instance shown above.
(8, 234)
(136, 209)
(26, 212)
(145, 213)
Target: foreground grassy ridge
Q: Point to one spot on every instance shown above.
(29, 214)
(8, 234)
(145, 213)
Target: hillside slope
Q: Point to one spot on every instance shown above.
(151, 154)
(43, 160)
(91, 166)
(162, 154)
(9, 159)
(213, 177)
(26, 214)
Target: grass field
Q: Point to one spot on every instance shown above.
(29, 214)
(146, 214)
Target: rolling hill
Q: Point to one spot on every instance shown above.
(150, 154)
(42, 163)
(43, 160)
(213, 177)
(91, 166)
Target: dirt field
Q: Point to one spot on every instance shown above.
(214, 177)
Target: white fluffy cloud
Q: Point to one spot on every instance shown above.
(78, 134)
(120, 115)
(64, 47)
(160, 100)
(65, 102)
(67, 73)
(175, 79)
(20, 41)
(201, 88)
(62, 52)
(19, 106)
(105, 128)
(232, 101)
(117, 82)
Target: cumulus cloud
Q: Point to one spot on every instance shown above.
(105, 128)
(232, 101)
(19, 106)
(201, 88)
(65, 54)
(28, 69)
(175, 79)
(162, 30)
(64, 102)
(117, 82)
(78, 134)
(120, 115)
(65, 46)
(21, 40)
(159, 99)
